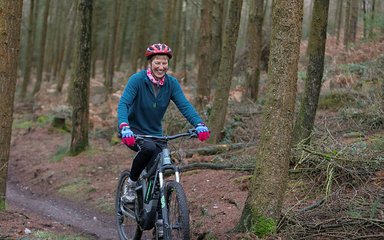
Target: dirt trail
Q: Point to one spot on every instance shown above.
(81, 218)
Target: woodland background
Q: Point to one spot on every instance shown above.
(331, 185)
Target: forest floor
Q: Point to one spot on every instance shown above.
(55, 196)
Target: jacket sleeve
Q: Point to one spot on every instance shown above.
(184, 106)
(126, 101)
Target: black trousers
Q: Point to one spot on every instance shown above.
(147, 152)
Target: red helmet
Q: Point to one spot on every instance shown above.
(158, 49)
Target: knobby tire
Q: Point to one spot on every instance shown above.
(127, 227)
(178, 212)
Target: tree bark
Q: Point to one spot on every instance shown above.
(316, 50)
(216, 39)
(254, 44)
(10, 22)
(40, 67)
(29, 48)
(140, 40)
(347, 22)
(353, 20)
(108, 83)
(220, 102)
(68, 52)
(204, 60)
(371, 29)
(263, 206)
(339, 18)
(80, 114)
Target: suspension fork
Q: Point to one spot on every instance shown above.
(163, 202)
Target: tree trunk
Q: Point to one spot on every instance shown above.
(80, 114)
(204, 60)
(183, 43)
(316, 50)
(216, 39)
(140, 40)
(220, 102)
(365, 19)
(371, 29)
(346, 23)
(40, 67)
(126, 6)
(254, 44)
(339, 18)
(10, 22)
(29, 49)
(176, 43)
(262, 209)
(68, 52)
(353, 20)
(168, 23)
(108, 83)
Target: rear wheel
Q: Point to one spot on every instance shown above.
(178, 212)
(127, 226)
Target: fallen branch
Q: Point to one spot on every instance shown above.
(215, 166)
(216, 149)
(312, 206)
(232, 167)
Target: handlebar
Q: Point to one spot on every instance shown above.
(190, 133)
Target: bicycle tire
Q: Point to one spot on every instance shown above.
(178, 212)
(127, 226)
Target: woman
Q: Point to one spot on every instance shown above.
(142, 107)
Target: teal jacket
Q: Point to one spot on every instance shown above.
(144, 112)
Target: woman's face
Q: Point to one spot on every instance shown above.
(159, 65)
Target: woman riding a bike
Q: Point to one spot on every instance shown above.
(142, 107)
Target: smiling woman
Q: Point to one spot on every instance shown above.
(142, 107)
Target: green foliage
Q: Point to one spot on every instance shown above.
(336, 100)
(264, 226)
(354, 68)
(378, 143)
(53, 236)
(210, 236)
(61, 152)
(76, 188)
(22, 124)
(2, 204)
(40, 121)
(44, 119)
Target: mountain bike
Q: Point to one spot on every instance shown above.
(161, 204)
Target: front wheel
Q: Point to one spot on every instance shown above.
(127, 226)
(178, 212)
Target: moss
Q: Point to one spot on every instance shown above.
(53, 236)
(22, 124)
(61, 152)
(2, 204)
(44, 119)
(76, 189)
(264, 226)
(256, 223)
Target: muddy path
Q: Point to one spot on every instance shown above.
(79, 217)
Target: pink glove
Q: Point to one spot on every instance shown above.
(203, 132)
(127, 136)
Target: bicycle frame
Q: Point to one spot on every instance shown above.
(151, 198)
